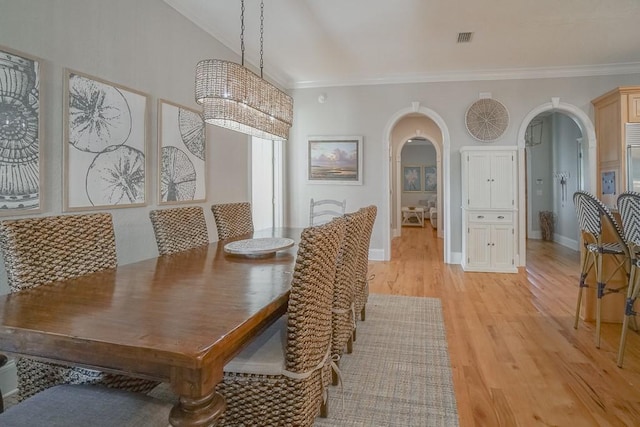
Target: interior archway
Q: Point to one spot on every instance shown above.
(588, 133)
(444, 157)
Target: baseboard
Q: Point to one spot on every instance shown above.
(534, 235)
(566, 242)
(456, 258)
(395, 233)
(8, 378)
(376, 255)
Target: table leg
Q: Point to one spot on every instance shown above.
(198, 412)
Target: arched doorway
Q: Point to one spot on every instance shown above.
(388, 168)
(589, 144)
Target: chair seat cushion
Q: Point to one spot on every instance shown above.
(87, 405)
(607, 248)
(265, 354)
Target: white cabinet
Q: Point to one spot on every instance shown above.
(489, 214)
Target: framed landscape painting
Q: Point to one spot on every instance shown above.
(411, 181)
(335, 160)
(182, 154)
(105, 140)
(20, 133)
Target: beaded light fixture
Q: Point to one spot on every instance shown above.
(235, 98)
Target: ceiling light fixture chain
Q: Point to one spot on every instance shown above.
(261, 35)
(242, 31)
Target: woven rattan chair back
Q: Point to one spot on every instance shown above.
(362, 267)
(343, 317)
(179, 229)
(323, 211)
(233, 219)
(311, 298)
(46, 249)
(591, 213)
(629, 209)
(42, 250)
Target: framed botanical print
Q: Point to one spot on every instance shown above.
(181, 154)
(105, 140)
(20, 133)
(430, 178)
(411, 179)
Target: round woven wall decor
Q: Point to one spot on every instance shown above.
(487, 119)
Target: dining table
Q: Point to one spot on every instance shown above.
(176, 318)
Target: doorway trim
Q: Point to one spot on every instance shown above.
(387, 165)
(398, 164)
(588, 132)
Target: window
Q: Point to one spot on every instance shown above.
(266, 183)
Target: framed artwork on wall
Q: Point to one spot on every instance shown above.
(181, 154)
(335, 160)
(105, 140)
(430, 178)
(411, 179)
(20, 132)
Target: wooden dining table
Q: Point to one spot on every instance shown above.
(176, 318)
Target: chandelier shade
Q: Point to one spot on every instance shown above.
(235, 98)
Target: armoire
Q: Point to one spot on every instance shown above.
(489, 208)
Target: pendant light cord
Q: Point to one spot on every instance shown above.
(242, 31)
(261, 35)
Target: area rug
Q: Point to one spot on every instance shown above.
(399, 373)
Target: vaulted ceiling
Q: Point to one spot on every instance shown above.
(313, 43)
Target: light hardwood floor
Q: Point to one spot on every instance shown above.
(516, 358)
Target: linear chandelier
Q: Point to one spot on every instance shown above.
(235, 98)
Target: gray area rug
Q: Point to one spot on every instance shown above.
(399, 372)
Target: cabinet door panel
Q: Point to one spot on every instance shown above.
(478, 245)
(634, 108)
(502, 246)
(479, 180)
(502, 184)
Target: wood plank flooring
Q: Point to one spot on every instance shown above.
(516, 358)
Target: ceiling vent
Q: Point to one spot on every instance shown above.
(464, 37)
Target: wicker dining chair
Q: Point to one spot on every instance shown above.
(281, 377)
(629, 209)
(179, 229)
(87, 405)
(233, 219)
(343, 316)
(592, 215)
(362, 269)
(42, 250)
(322, 211)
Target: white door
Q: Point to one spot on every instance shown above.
(502, 246)
(502, 181)
(478, 180)
(478, 246)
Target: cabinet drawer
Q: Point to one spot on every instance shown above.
(492, 217)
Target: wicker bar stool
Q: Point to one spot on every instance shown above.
(362, 280)
(343, 316)
(42, 250)
(629, 208)
(592, 213)
(281, 377)
(233, 219)
(179, 229)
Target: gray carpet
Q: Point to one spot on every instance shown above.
(399, 373)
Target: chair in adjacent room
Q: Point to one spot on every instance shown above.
(343, 316)
(629, 209)
(45, 249)
(233, 219)
(281, 377)
(362, 269)
(593, 215)
(87, 405)
(179, 229)
(322, 211)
